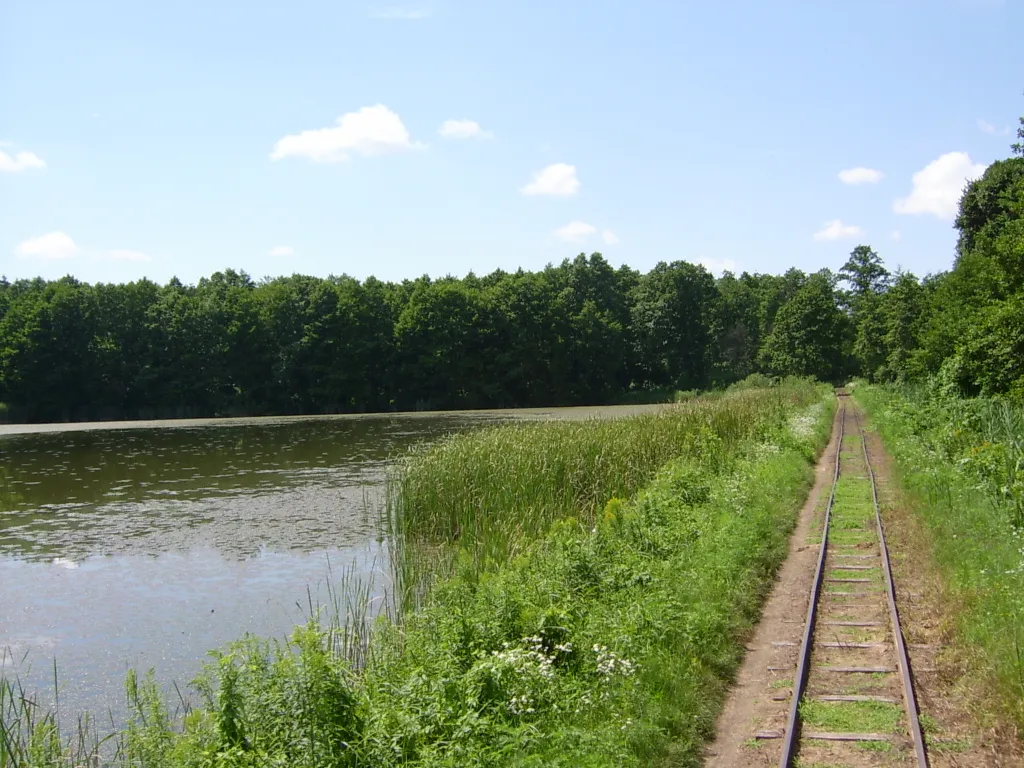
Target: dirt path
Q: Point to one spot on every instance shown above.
(759, 700)
(751, 706)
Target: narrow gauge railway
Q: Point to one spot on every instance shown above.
(852, 697)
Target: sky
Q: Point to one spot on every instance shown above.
(438, 137)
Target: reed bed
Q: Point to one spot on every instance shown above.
(492, 490)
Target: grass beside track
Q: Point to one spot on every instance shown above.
(962, 464)
(605, 637)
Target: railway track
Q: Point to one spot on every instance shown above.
(852, 698)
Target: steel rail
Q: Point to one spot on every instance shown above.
(903, 662)
(902, 658)
(803, 663)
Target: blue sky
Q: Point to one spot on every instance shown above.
(443, 136)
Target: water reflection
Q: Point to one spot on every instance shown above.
(291, 485)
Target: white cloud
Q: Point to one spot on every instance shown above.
(609, 237)
(123, 254)
(19, 162)
(836, 230)
(402, 14)
(48, 247)
(717, 266)
(282, 250)
(986, 127)
(860, 175)
(938, 186)
(896, 235)
(558, 180)
(463, 129)
(575, 231)
(370, 131)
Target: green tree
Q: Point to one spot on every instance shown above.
(674, 321)
(443, 338)
(902, 308)
(865, 273)
(809, 336)
(45, 354)
(868, 279)
(738, 326)
(988, 272)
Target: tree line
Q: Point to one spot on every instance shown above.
(581, 332)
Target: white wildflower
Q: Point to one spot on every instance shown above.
(610, 664)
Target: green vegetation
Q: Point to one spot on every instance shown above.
(463, 488)
(852, 716)
(606, 636)
(962, 460)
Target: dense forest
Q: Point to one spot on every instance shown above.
(581, 332)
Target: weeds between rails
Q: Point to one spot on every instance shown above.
(825, 694)
(606, 638)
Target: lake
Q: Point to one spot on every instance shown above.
(147, 544)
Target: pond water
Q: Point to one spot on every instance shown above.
(147, 544)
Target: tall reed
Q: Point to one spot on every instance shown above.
(31, 734)
(493, 490)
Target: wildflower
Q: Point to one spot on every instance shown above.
(610, 664)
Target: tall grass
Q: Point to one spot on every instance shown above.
(492, 490)
(963, 463)
(31, 734)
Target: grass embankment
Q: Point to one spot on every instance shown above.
(609, 575)
(962, 463)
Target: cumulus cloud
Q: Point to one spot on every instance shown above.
(370, 131)
(575, 232)
(58, 246)
(558, 180)
(123, 254)
(20, 161)
(609, 237)
(402, 14)
(938, 186)
(836, 230)
(463, 129)
(282, 250)
(49, 247)
(860, 175)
